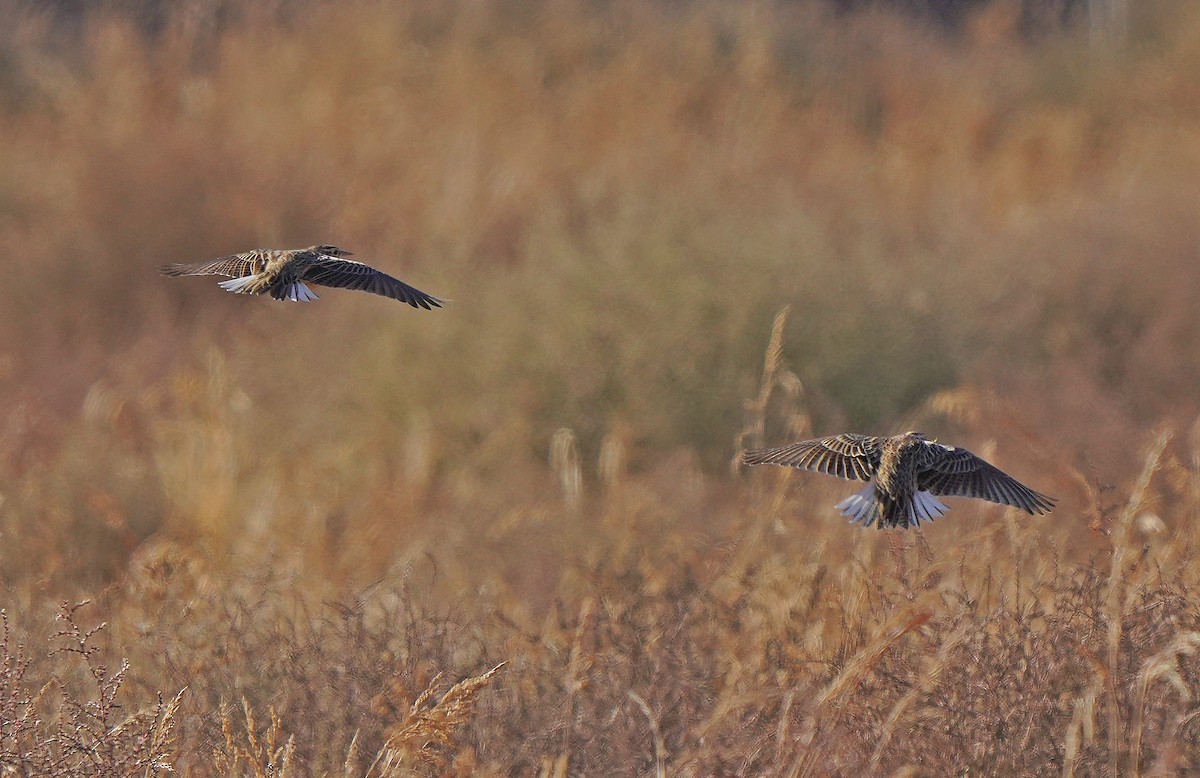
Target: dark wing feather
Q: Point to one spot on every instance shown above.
(956, 472)
(348, 274)
(234, 266)
(849, 456)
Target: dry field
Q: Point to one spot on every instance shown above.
(507, 537)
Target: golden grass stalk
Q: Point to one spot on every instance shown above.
(578, 666)
(350, 765)
(864, 660)
(1082, 729)
(757, 407)
(554, 768)
(660, 748)
(161, 740)
(858, 666)
(427, 730)
(564, 460)
(267, 758)
(1117, 584)
(1162, 666)
(924, 686)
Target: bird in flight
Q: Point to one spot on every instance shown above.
(286, 273)
(905, 475)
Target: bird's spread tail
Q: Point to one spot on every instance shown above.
(925, 506)
(866, 508)
(297, 292)
(242, 285)
(861, 506)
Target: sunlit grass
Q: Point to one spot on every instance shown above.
(333, 523)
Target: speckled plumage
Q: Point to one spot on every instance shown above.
(904, 473)
(286, 273)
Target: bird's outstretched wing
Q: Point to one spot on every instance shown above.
(348, 274)
(234, 266)
(956, 472)
(849, 456)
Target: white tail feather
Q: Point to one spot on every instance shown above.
(300, 293)
(863, 507)
(238, 285)
(927, 506)
(860, 506)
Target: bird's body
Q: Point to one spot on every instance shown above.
(905, 474)
(286, 273)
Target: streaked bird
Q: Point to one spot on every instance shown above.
(286, 273)
(905, 475)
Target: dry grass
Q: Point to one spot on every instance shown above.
(350, 539)
(61, 730)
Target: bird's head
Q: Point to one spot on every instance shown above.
(915, 435)
(332, 251)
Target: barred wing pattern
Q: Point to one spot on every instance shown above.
(850, 456)
(956, 472)
(348, 274)
(905, 474)
(234, 266)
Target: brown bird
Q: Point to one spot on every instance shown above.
(286, 273)
(903, 475)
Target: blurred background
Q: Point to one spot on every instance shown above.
(972, 218)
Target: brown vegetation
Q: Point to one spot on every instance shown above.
(351, 539)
